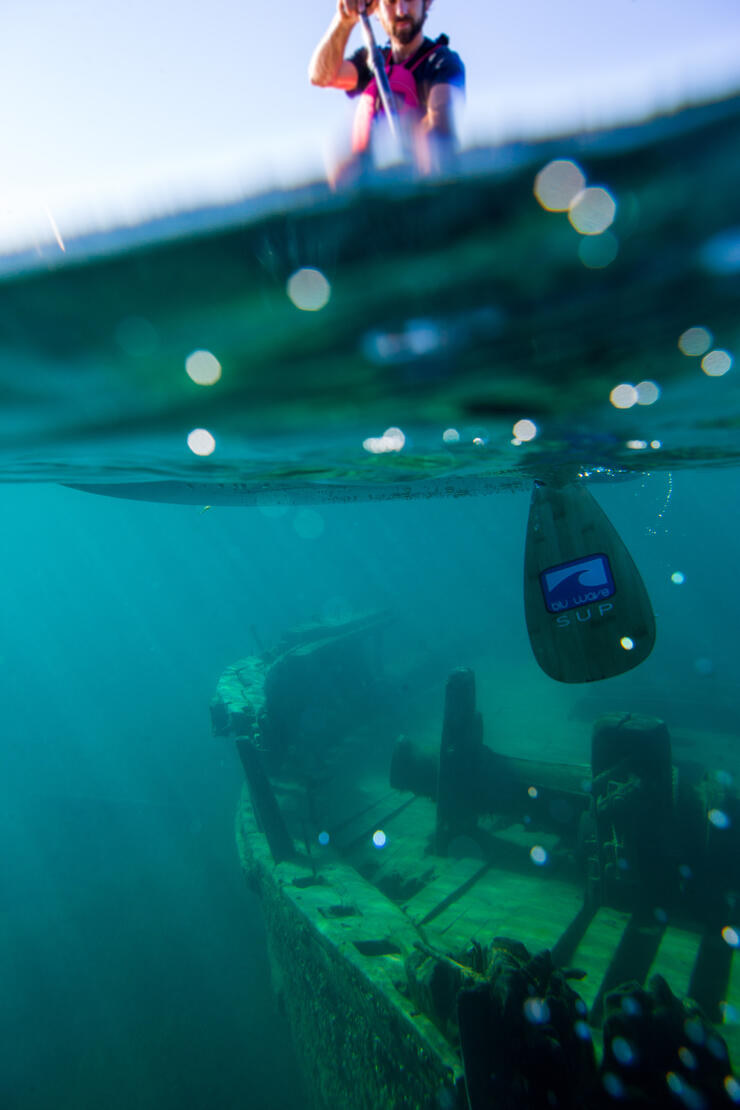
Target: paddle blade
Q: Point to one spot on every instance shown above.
(588, 613)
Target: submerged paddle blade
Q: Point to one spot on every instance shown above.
(588, 613)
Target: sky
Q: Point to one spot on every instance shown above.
(112, 112)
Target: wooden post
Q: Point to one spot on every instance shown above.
(267, 811)
(632, 808)
(462, 741)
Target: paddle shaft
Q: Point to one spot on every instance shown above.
(377, 64)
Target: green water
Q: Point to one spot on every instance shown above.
(458, 305)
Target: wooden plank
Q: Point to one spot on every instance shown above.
(596, 950)
(408, 835)
(402, 864)
(452, 879)
(512, 847)
(347, 800)
(531, 908)
(676, 957)
(358, 830)
(415, 822)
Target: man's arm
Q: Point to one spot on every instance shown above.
(441, 110)
(328, 67)
(436, 147)
(437, 143)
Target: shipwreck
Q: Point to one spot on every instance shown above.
(449, 926)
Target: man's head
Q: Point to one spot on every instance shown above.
(403, 20)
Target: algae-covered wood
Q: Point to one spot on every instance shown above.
(374, 932)
(337, 948)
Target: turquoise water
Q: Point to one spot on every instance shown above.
(133, 958)
(134, 965)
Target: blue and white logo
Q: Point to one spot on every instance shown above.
(579, 582)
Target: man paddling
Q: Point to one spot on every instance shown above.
(425, 76)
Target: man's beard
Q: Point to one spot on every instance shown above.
(408, 32)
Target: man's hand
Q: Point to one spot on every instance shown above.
(328, 67)
(349, 11)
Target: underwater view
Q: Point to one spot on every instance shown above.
(370, 667)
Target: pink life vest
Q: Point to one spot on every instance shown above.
(403, 86)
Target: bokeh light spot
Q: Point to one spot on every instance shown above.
(451, 435)
(538, 855)
(730, 936)
(557, 184)
(203, 368)
(694, 1030)
(675, 1083)
(721, 254)
(647, 393)
(623, 396)
(732, 1087)
(627, 643)
(308, 524)
(524, 430)
(272, 510)
(392, 439)
(309, 290)
(623, 1051)
(695, 341)
(592, 210)
(537, 1011)
(678, 578)
(323, 838)
(719, 819)
(613, 1085)
(379, 838)
(532, 791)
(716, 363)
(637, 444)
(201, 442)
(717, 1047)
(596, 252)
(687, 1058)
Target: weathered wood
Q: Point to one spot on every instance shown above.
(462, 739)
(337, 950)
(348, 920)
(633, 809)
(596, 949)
(452, 878)
(676, 958)
(264, 802)
(500, 783)
(532, 908)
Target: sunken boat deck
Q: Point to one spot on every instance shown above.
(363, 908)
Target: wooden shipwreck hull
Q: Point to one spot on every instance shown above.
(423, 908)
